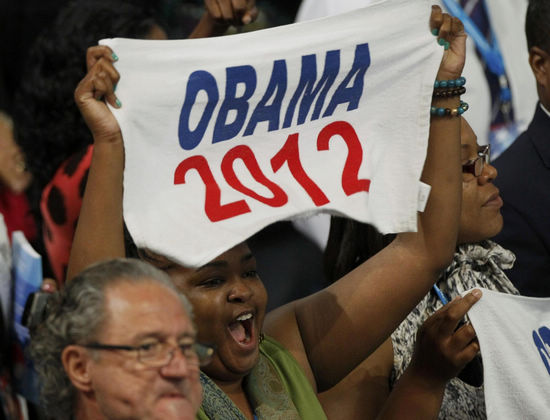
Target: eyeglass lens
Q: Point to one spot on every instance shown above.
(158, 354)
(475, 166)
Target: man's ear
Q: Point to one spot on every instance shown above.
(539, 60)
(76, 361)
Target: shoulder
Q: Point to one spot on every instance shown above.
(530, 151)
(518, 166)
(282, 327)
(508, 160)
(294, 379)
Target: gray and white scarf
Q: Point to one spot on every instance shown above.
(474, 265)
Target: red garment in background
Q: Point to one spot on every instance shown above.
(60, 207)
(17, 216)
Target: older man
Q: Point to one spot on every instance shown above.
(119, 343)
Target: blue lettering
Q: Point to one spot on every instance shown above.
(235, 75)
(305, 88)
(199, 80)
(309, 97)
(541, 342)
(271, 113)
(351, 95)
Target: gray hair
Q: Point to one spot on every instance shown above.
(75, 316)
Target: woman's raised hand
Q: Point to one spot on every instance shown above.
(449, 30)
(97, 87)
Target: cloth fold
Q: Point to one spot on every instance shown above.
(514, 338)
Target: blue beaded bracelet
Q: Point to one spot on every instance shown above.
(454, 112)
(461, 81)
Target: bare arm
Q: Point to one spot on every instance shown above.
(99, 232)
(334, 330)
(440, 354)
(220, 14)
(362, 393)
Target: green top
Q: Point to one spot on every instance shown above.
(277, 388)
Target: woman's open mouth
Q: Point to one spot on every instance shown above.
(242, 330)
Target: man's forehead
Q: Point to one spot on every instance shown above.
(145, 308)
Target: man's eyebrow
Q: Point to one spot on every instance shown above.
(189, 334)
(160, 337)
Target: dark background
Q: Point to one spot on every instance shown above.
(21, 21)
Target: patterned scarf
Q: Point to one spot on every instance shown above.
(478, 265)
(266, 393)
(474, 265)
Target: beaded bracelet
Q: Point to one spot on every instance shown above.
(450, 92)
(461, 81)
(454, 112)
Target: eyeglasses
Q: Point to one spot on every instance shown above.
(475, 166)
(159, 354)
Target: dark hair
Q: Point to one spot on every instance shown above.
(349, 244)
(537, 24)
(48, 125)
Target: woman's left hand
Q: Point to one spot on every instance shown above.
(451, 30)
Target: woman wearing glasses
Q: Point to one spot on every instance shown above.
(477, 262)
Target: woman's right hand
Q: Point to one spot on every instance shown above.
(97, 86)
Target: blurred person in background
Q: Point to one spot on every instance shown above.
(525, 171)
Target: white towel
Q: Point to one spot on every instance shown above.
(514, 337)
(196, 110)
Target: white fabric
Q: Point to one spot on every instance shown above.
(315, 9)
(514, 337)
(391, 121)
(507, 20)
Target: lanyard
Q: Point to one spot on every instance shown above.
(489, 51)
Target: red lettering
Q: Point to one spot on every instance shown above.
(290, 154)
(213, 208)
(246, 154)
(351, 184)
